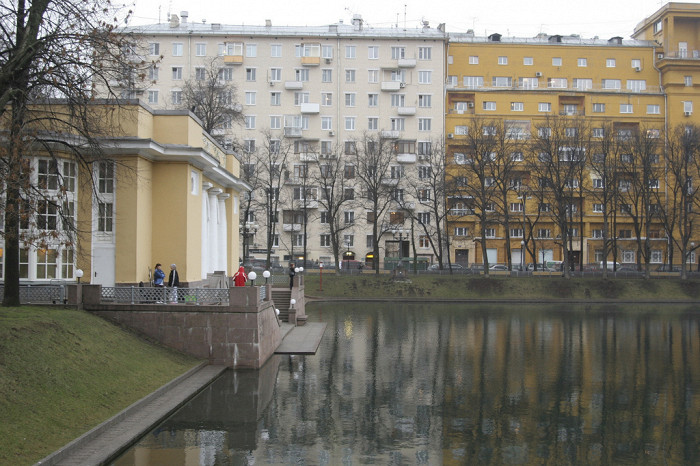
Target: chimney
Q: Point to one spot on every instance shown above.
(268, 23)
(174, 21)
(357, 22)
(183, 16)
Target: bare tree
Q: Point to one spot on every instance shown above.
(47, 50)
(378, 178)
(334, 176)
(211, 95)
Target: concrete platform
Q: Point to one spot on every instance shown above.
(302, 340)
(110, 438)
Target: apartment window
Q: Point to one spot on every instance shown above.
(325, 240)
(326, 99)
(398, 124)
(528, 61)
(105, 217)
(473, 59)
(628, 257)
(598, 208)
(502, 60)
(544, 233)
(424, 100)
(349, 76)
(502, 81)
(350, 99)
(396, 172)
(250, 122)
(398, 53)
(154, 48)
(251, 50)
(490, 232)
(372, 123)
(598, 108)
(545, 207)
(424, 124)
(636, 85)
(350, 148)
(372, 76)
(582, 62)
(461, 130)
(177, 73)
(373, 52)
(570, 109)
(451, 81)
(611, 84)
(176, 97)
(557, 83)
(275, 50)
(350, 123)
(461, 231)
(301, 98)
(153, 73)
(517, 106)
(424, 172)
(301, 75)
(626, 108)
(372, 100)
(153, 97)
(583, 84)
(544, 107)
(326, 123)
(326, 75)
(598, 183)
(250, 98)
(556, 61)
(516, 207)
(424, 77)
(688, 80)
(473, 82)
(275, 122)
(250, 74)
(326, 51)
(249, 145)
(654, 183)
(491, 106)
(398, 75)
(424, 148)
(398, 100)
(349, 194)
(349, 171)
(425, 53)
(688, 107)
(636, 64)
(177, 49)
(350, 51)
(653, 109)
(275, 99)
(610, 63)
(349, 217)
(200, 50)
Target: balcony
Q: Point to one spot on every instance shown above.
(308, 203)
(407, 62)
(292, 132)
(407, 111)
(308, 157)
(391, 85)
(390, 134)
(390, 181)
(406, 158)
(310, 108)
(408, 205)
(293, 180)
(293, 85)
(291, 227)
(233, 59)
(310, 61)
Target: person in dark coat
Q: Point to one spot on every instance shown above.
(292, 272)
(173, 282)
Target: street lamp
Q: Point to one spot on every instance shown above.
(266, 274)
(522, 255)
(249, 230)
(252, 276)
(347, 257)
(320, 276)
(79, 274)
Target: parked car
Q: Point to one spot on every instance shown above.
(436, 267)
(476, 268)
(498, 267)
(668, 268)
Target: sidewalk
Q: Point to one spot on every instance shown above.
(110, 438)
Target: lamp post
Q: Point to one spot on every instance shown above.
(522, 255)
(79, 289)
(524, 198)
(249, 230)
(266, 274)
(320, 276)
(252, 276)
(347, 257)
(79, 274)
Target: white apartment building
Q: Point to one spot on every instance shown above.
(316, 87)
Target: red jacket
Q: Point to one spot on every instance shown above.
(240, 277)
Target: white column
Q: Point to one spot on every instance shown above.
(223, 230)
(213, 228)
(205, 229)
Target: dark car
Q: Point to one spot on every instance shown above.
(445, 267)
(668, 268)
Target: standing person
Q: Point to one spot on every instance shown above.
(173, 282)
(240, 277)
(158, 276)
(291, 275)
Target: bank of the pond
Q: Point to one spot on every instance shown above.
(64, 371)
(500, 288)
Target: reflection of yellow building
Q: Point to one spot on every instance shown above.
(168, 194)
(645, 84)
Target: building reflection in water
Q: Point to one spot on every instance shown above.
(454, 384)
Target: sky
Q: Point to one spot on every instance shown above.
(518, 18)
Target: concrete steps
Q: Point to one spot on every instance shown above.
(281, 298)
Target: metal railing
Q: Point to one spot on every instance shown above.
(157, 295)
(39, 294)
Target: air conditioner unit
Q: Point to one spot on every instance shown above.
(687, 113)
(470, 104)
(637, 68)
(331, 133)
(538, 74)
(272, 83)
(421, 157)
(450, 136)
(402, 85)
(328, 61)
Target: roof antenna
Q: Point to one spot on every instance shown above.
(404, 16)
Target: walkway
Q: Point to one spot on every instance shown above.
(302, 340)
(107, 440)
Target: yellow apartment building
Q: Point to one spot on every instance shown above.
(164, 191)
(589, 90)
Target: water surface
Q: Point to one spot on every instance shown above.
(455, 384)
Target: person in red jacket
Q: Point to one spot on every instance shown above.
(240, 277)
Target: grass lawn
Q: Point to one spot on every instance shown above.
(498, 286)
(64, 371)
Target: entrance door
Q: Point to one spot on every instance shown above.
(492, 255)
(462, 257)
(103, 264)
(682, 49)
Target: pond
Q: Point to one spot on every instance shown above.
(398, 383)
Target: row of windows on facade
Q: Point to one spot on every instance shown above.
(225, 74)
(521, 129)
(301, 171)
(300, 50)
(635, 63)
(297, 240)
(461, 209)
(327, 148)
(566, 109)
(580, 84)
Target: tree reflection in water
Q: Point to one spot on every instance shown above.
(456, 384)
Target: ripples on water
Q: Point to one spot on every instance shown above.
(456, 384)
